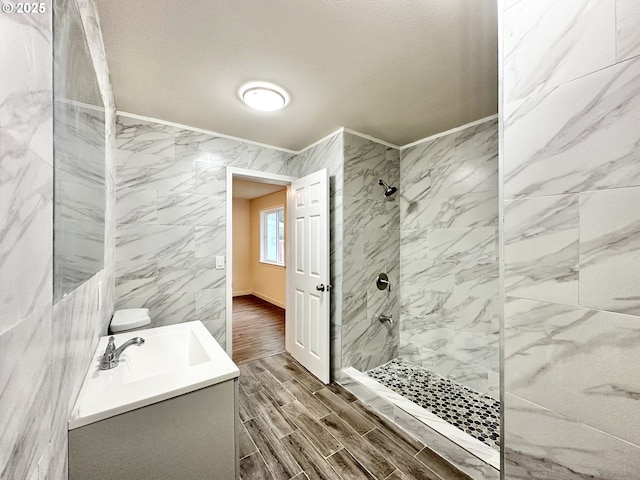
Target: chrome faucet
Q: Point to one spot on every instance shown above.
(112, 354)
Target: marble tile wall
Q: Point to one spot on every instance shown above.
(371, 245)
(329, 153)
(449, 293)
(26, 246)
(171, 218)
(78, 321)
(571, 187)
(170, 214)
(26, 251)
(79, 189)
(44, 348)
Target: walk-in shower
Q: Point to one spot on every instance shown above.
(435, 369)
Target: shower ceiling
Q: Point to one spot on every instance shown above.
(397, 70)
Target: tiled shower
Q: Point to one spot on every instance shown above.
(437, 239)
(450, 316)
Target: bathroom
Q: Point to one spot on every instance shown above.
(554, 281)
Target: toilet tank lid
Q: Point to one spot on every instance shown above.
(129, 318)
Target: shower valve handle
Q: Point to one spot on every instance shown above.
(382, 282)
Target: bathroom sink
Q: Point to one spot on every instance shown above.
(174, 360)
(162, 353)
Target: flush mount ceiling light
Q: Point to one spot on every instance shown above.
(265, 97)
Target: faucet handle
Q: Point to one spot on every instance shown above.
(382, 282)
(111, 346)
(107, 359)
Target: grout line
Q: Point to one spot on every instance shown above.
(332, 468)
(431, 469)
(362, 465)
(249, 454)
(394, 472)
(369, 431)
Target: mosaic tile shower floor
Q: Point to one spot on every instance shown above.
(470, 411)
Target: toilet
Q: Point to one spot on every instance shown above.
(129, 320)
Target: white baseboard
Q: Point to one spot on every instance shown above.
(242, 293)
(273, 301)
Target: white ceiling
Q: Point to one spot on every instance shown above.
(249, 190)
(398, 70)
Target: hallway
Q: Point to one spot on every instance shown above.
(258, 329)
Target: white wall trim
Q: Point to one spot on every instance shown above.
(448, 132)
(241, 293)
(201, 130)
(261, 177)
(317, 142)
(257, 176)
(267, 298)
(373, 139)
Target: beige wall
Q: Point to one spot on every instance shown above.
(250, 276)
(241, 246)
(268, 281)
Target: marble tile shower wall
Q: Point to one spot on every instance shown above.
(44, 349)
(371, 240)
(571, 72)
(171, 218)
(329, 154)
(449, 305)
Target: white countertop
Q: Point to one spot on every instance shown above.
(174, 360)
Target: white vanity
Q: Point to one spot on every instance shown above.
(167, 411)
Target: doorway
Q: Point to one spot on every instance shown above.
(256, 252)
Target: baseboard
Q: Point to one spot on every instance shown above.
(242, 293)
(266, 298)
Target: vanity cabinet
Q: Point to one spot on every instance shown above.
(191, 436)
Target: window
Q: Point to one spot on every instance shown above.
(272, 236)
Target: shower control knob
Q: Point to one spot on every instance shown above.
(382, 282)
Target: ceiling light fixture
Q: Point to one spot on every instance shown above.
(265, 97)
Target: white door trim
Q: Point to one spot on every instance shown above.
(256, 176)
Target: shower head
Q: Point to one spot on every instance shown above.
(388, 191)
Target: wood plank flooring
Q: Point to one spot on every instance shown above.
(294, 427)
(258, 329)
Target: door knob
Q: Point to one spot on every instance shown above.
(320, 287)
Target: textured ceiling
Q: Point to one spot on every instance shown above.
(398, 70)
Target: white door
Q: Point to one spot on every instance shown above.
(308, 289)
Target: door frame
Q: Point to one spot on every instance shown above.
(254, 176)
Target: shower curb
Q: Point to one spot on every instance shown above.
(411, 418)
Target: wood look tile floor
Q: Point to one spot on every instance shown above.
(258, 329)
(295, 427)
